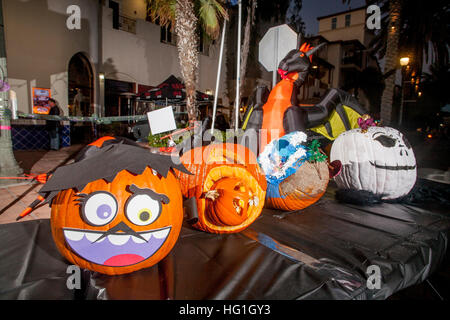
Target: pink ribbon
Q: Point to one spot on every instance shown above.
(5, 127)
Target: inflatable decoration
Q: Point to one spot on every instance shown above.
(377, 160)
(227, 187)
(117, 209)
(297, 175)
(281, 112)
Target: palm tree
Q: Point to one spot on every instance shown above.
(281, 7)
(251, 10)
(424, 29)
(185, 17)
(391, 63)
(245, 50)
(386, 44)
(269, 12)
(413, 28)
(8, 163)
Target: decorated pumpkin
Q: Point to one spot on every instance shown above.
(117, 210)
(227, 186)
(378, 160)
(297, 175)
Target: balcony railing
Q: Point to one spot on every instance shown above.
(127, 24)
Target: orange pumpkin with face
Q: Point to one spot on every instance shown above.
(119, 223)
(118, 227)
(228, 186)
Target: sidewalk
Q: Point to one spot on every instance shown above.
(15, 198)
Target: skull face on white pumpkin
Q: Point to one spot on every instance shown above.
(379, 160)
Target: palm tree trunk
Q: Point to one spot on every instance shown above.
(245, 49)
(246, 45)
(8, 163)
(391, 60)
(187, 42)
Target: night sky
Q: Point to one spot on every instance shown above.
(312, 9)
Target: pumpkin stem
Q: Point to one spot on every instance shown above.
(212, 195)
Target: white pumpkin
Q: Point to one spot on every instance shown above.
(379, 160)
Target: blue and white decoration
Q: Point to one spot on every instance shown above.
(282, 157)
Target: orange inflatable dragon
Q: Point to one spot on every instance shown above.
(281, 113)
(283, 96)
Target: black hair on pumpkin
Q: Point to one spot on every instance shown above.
(105, 162)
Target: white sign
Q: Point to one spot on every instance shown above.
(275, 45)
(161, 120)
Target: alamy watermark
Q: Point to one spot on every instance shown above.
(73, 22)
(374, 20)
(74, 278)
(374, 279)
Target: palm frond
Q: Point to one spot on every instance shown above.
(210, 12)
(162, 11)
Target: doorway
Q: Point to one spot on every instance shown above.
(80, 97)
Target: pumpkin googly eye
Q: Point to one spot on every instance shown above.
(99, 208)
(141, 209)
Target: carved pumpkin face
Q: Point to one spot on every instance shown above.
(228, 186)
(119, 227)
(229, 202)
(380, 160)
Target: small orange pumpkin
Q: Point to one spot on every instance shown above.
(120, 223)
(228, 186)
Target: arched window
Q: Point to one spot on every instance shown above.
(81, 86)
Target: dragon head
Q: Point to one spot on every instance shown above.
(297, 64)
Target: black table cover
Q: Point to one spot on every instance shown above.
(321, 252)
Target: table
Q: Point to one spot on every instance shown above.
(321, 252)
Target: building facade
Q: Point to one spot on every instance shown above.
(115, 50)
(340, 63)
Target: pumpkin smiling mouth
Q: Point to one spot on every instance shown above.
(115, 250)
(392, 167)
